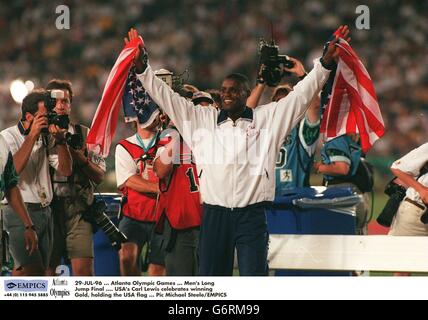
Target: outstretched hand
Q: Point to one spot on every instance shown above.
(141, 54)
(298, 69)
(332, 53)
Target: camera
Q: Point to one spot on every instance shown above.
(272, 71)
(175, 82)
(424, 217)
(396, 194)
(98, 218)
(51, 96)
(74, 140)
(61, 121)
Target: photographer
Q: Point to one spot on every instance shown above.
(73, 194)
(9, 189)
(408, 169)
(411, 218)
(29, 142)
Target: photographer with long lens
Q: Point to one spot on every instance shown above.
(30, 142)
(73, 195)
(411, 218)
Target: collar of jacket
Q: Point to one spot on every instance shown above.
(246, 115)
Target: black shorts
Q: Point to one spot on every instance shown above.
(142, 233)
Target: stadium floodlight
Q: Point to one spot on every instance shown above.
(18, 90)
(30, 85)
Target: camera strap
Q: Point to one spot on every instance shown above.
(78, 129)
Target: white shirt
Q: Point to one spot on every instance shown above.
(34, 178)
(125, 165)
(237, 160)
(412, 164)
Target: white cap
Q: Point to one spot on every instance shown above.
(199, 96)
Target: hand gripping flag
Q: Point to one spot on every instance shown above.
(350, 101)
(105, 121)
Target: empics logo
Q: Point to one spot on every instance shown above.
(26, 285)
(11, 285)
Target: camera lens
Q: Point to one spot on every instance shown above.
(74, 140)
(115, 236)
(424, 217)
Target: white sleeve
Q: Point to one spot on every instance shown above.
(10, 141)
(413, 162)
(158, 153)
(4, 154)
(183, 113)
(288, 111)
(98, 160)
(125, 166)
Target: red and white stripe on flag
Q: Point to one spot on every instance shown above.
(104, 123)
(353, 105)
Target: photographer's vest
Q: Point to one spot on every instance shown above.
(180, 198)
(136, 205)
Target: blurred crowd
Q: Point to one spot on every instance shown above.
(212, 38)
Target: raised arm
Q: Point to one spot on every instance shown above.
(291, 109)
(183, 113)
(21, 156)
(256, 94)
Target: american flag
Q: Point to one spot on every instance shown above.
(350, 101)
(104, 123)
(137, 104)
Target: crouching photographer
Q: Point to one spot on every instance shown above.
(73, 195)
(411, 217)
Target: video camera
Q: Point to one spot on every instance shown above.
(175, 82)
(270, 61)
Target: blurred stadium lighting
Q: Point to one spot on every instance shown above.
(30, 85)
(18, 90)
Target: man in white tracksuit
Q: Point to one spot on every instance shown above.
(236, 150)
